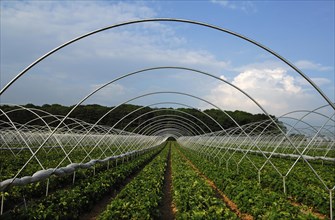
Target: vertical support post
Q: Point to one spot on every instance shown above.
(47, 189)
(107, 165)
(74, 177)
(331, 204)
(93, 170)
(259, 177)
(24, 202)
(2, 201)
(284, 184)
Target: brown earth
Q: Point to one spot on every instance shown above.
(167, 208)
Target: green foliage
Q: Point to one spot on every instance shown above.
(140, 198)
(263, 201)
(193, 197)
(70, 202)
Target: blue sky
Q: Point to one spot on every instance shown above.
(301, 31)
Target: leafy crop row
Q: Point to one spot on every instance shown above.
(49, 158)
(246, 192)
(193, 197)
(140, 198)
(302, 185)
(71, 202)
(17, 194)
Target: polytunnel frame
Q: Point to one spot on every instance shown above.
(12, 180)
(165, 109)
(149, 69)
(168, 132)
(179, 68)
(238, 147)
(145, 133)
(178, 116)
(165, 121)
(31, 110)
(304, 122)
(307, 113)
(140, 96)
(175, 103)
(171, 92)
(110, 127)
(272, 153)
(176, 20)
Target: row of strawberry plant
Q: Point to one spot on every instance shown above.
(70, 203)
(49, 158)
(302, 185)
(193, 197)
(140, 198)
(17, 194)
(245, 192)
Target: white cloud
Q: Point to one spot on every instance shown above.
(33, 28)
(310, 65)
(246, 6)
(275, 90)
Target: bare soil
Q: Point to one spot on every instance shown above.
(308, 210)
(167, 208)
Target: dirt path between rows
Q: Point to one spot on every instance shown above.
(231, 205)
(167, 208)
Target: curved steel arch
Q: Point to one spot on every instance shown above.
(157, 127)
(158, 110)
(176, 103)
(171, 132)
(158, 68)
(173, 20)
(175, 125)
(166, 121)
(140, 96)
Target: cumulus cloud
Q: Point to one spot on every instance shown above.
(274, 89)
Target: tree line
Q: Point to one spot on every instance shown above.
(138, 114)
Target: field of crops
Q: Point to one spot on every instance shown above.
(170, 181)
